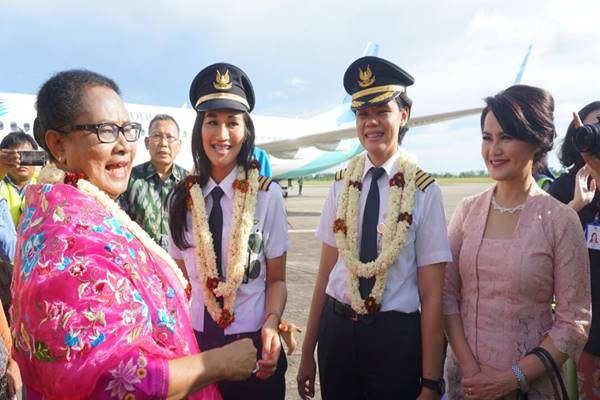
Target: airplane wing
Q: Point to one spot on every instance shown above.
(328, 140)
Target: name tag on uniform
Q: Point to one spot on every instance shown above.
(592, 236)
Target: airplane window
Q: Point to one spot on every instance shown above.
(13, 126)
(1, 125)
(26, 126)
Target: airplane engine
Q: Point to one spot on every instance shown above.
(328, 146)
(285, 155)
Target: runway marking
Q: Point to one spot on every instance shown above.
(301, 230)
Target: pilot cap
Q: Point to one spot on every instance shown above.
(372, 81)
(222, 85)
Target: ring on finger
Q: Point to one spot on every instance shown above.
(256, 368)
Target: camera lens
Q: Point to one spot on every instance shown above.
(587, 139)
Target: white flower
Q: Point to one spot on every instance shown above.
(241, 221)
(394, 237)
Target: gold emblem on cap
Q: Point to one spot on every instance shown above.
(222, 81)
(365, 77)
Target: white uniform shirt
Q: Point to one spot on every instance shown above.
(271, 222)
(426, 243)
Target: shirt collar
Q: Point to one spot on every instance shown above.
(150, 171)
(226, 184)
(9, 181)
(388, 165)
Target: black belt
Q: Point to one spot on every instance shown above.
(347, 311)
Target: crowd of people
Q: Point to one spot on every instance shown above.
(156, 282)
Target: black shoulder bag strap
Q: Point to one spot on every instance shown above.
(553, 373)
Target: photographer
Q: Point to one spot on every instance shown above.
(14, 173)
(580, 153)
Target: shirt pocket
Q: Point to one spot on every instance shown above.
(255, 255)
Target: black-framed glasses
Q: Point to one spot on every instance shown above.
(108, 132)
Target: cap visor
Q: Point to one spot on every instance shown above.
(217, 104)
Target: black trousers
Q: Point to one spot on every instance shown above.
(379, 358)
(272, 388)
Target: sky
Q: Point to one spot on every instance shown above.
(296, 52)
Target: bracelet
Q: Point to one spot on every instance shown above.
(520, 378)
(272, 313)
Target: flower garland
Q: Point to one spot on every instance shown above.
(397, 223)
(51, 174)
(244, 202)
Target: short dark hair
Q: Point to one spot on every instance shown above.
(403, 101)
(525, 113)
(17, 138)
(568, 155)
(202, 167)
(162, 117)
(59, 99)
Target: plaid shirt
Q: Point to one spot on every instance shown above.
(146, 197)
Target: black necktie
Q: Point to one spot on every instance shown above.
(368, 241)
(213, 335)
(215, 223)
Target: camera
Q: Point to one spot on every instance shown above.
(32, 157)
(586, 139)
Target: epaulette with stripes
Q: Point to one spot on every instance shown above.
(340, 174)
(264, 183)
(423, 179)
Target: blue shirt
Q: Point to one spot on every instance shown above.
(262, 157)
(8, 235)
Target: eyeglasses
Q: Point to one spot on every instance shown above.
(160, 138)
(108, 132)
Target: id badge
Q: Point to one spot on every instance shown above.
(592, 235)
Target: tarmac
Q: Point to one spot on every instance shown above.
(303, 257)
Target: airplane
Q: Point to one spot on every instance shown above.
(296, 147)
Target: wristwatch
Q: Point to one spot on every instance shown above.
(437, 386)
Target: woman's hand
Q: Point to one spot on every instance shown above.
(469, 371)
(271, 348)
(306, 376)
(239, 359)
(14, 378)
(582, 195)
(489, 384)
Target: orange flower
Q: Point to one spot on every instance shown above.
(212, 283)
(405, 217)
(189, 182)
(371, 305)
(242, 185)
(226, 319)
(398, 180)
(339, 225)
(254, 164)
(188, 291)
(356, 184)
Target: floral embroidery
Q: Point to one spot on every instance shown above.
(123, 378)
(165, 319)
(26, 217)
(31, 253)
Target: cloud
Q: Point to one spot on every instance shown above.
(297, 83)
(296, 52)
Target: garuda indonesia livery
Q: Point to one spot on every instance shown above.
(296, 147)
